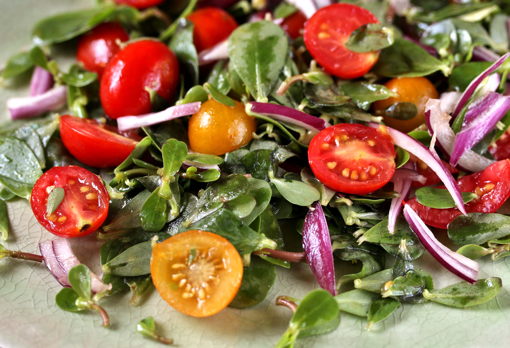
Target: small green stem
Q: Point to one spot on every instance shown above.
(104, 315)
(142, 171)
(282, 255)
(286, 302)
(25, 256)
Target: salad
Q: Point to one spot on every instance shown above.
(306, 204)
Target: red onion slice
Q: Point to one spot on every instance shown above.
(59, 259)
(402, 184)
(26, 107)
(419, 150)
(456, 263)
(289, 115)
(472, 86)
(215, 53)
(317, 248)
(41, 82)
(173, 112)
(406, 173)
(481, 117)
(308, 7)
(438, 124)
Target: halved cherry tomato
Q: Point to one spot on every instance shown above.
(326, 33)
(212, 26)
(83, 208)
(98, 46)
(94, 144)
(139, 4)
(217, 129)
(492, 185)
(352, 158)
(294, 24)
(140, 65)
(416, 90)
(500, 150)
(196, 272)
(432, 178)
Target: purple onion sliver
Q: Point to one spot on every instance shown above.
(213, 54)
(26, 107)
(286, 114)
(407, 173)
(308, 7)
(41, 82)
(472, 86)
(419, 150)
(483, 117)
(173, 112)
(402, 185)
(459, 265)
(430, 50)
(483, 54)
(67, 260)
(317, 248)
(51, 263)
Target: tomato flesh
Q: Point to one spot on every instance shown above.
(429, 174)
(139, 4)
(352, 158)
(140, 65)
(492, 185)
(212, 26)
(197, 272)
(83, 208)
(326, 33)
(98, 46)
(500, 150)
(94, 144)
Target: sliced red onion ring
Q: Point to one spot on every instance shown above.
(308, 7)
(481, 53)
(472, 86)
(406, 172)
(456, 263)
(59, 258)
(449, 100)
(41, 82)
(419, 150)
(481, 117)
(438, 124)
(317, 248)
(26, 107)
(215, 53)
(173, 112)
(402, 180)
(289, 115)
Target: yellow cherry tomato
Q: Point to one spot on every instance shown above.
(198, 273)
(417, 90)
(217, 129)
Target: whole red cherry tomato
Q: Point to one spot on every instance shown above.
(94, 144)
(140, 65)
(326, 33)
(352, 158)
(84, 205)
(139, 4)
(98, 46)
(212, 26)
(294, 24)
(492, 185)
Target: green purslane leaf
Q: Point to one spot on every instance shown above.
(4, 220)
(440, 198)
(356, 302)
(370, 37)
(147, 327)
(79, 278)
(55, 197)
(296, 192)
(478, 228)
(134, 261)
(463, 295)
(153, 214)
(218, 96)
(380, 309)
(183, 47)
(17, 65)
(174, 153)
(219, 77)
(66, 299)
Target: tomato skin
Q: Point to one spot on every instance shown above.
(139, 4)
(500, 150)
(122, 89)
(212, 26)
(94, 144)
(84, 207)
(352, 158)
(417, 90)
(217, 129)
(326, 33)
(181, 282)
(98, 46)
(492, 185)
(294, 24)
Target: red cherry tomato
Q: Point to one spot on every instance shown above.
(83, 208)
(492, 185)
(500, 150)
(432, 178)
(212, 26)
(94, 144)
(140, 65)
(139, 4)
(98, 46)
(352, 158)
(294, 24)
(326, 33)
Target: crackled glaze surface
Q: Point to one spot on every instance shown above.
(30, 318)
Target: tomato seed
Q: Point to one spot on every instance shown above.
(91, 196)
(346, 172)
(364, 176)
(62, 219)
(488, 187)
(177, 276)
(331, 165)
(325, 146)
(371, 142)
(354, 175)
(85, 189)
(178, 266)
(49, 189)
(372, 170)
(323, 35)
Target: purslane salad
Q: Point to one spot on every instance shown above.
(202, 141)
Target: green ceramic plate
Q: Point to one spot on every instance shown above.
(29, 317)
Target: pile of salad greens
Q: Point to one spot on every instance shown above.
(254, 196)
